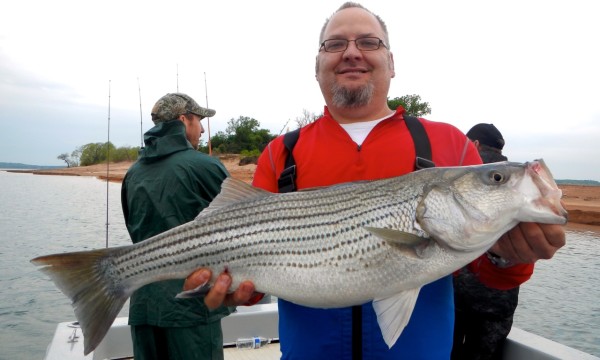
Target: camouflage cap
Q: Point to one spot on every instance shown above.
(170, 106)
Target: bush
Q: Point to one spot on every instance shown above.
(249, 157)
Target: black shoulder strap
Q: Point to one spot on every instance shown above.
(287, 179)
(421, 140)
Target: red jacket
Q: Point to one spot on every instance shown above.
(326, 155)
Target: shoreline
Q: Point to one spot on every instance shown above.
(582, 202)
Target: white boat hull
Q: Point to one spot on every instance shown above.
(262, 320)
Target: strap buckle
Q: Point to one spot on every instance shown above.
(422, 163)
(287, 180)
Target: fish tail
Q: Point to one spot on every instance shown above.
(91, 281)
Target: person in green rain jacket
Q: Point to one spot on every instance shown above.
(168, 186)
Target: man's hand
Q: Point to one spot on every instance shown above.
(218, 294)
(529, 242)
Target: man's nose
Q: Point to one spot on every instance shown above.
(352, 50)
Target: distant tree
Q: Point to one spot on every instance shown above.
(306, 118)
(65, 157)
(91, 154)
(411, 103)
(76, 155)
(125, 153)
(241, 125)
(241, 134)
(95, 153)
(218, 142)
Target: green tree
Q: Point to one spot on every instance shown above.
(125, 153)
(412, 104)
(241, 134)
(218, 142)
(90, 154)
(95, 153)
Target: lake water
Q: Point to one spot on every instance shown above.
(42, 214)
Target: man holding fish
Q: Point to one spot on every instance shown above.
(360, 138)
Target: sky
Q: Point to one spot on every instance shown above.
(79, 72)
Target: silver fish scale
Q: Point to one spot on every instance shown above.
(309, 237)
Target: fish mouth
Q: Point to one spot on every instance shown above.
(550, 193)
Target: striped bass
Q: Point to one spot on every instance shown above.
(336, 246)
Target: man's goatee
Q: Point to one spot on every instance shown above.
(352, 98)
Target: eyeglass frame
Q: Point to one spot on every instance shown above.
(379, 44)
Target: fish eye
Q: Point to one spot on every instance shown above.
(497, 177)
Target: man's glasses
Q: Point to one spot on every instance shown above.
(363, 44)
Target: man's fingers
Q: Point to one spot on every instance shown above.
(524, 238)
(555, 234)
(529, 242)
(197, 278)
(505, 248)
(216, 295)
(243, 293)
(219, 294)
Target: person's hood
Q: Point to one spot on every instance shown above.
(163, 140)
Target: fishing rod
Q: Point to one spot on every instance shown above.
(284, 126)
(141, 131)
(107, 162)
(208, 118)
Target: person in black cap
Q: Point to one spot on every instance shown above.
(483, 315)
(489, 142)
(168, 186)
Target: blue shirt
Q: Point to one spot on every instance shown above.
(308, 333)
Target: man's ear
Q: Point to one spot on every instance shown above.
(317, 67)
(392, 65)
(184, 120)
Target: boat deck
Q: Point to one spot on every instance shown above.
(270, 351)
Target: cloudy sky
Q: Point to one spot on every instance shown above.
(530, 67)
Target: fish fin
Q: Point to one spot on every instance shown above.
(396, 237)
(393, 314)
(198, 291)
(96, 295)
(233, 190)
